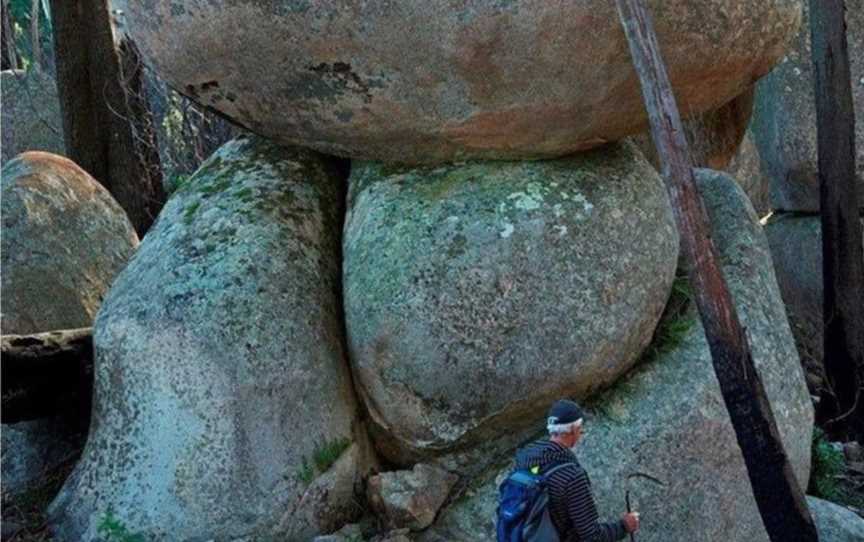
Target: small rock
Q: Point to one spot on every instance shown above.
(349, 533)
(854, 451)
(410, 498)
(835, 523)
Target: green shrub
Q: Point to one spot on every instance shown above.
(827, 465)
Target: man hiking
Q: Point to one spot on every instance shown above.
(571, 504)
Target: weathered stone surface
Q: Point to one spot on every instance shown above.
(746, 168)
(796, 249)
(784, 117)
(474, 294)
(436, 81)
(667, 418)
(64, 240)
(835, 523)
(223, 406)
(32, 449)
(714, 137)
(410, 499)
(30, 114)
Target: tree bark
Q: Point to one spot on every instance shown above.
(106, 124)
(46, 374)
(842, 412)
(779, 498)
(8, 52)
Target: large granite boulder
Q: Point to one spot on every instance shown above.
(835, 523)
(784, 117)
(64, 240)
(30, 114)
(477, 293)
(223, 405)
(435, 81)
(796, 249)
(667, 418)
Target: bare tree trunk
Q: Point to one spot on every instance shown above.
(46, 374)
(106, 124)
(779, 498)
(8, 51)
(842, 259)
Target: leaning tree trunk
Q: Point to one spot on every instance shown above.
(842, 258)
(106, 124)
(779, 498)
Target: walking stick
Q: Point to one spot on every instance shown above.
(627, 492)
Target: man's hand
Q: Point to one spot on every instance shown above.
(631, 521)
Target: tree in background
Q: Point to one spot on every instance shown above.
(8, 52)
(842, 412)
(107, 126)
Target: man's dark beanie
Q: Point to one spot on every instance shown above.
(564, 412)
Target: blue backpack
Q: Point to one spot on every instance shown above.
(523, 507)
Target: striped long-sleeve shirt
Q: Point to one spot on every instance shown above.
(571, 502)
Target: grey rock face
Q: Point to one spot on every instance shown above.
(434, 82)
(64, 240)
(476, 294)
(410, 499)
(835, 523)
(667, 417)
(30, 114)
(784, 117)
(223, 406)
(796, 249)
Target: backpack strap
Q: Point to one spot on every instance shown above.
(556, 468)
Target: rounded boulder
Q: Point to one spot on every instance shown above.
(475, 294)
(434, 81)
(64, 241)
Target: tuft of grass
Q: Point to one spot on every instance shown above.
(305, 472)
(115, 531)
(675, 322)
(329, 452)
(323, 457)
(190, 211)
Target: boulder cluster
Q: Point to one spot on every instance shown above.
(441, 220)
